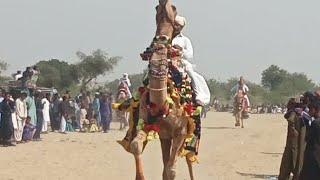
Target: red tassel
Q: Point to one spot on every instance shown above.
(152, 127)
(188, 108)
(141, 90)
(152, 105)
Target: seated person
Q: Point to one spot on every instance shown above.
(93, 124)
(28, 130)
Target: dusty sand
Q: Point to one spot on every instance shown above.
(226, 153)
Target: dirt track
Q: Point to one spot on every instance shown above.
(226, 153)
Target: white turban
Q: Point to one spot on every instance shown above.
(180, 20)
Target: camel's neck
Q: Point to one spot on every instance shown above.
(158, 64)
(158, 77)
(158, 91)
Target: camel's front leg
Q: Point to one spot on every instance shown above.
(190, 168)
(139, 171)
(177, 142)
(165, 147)
(136, 149)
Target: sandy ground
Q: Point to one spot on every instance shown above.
(226, 153)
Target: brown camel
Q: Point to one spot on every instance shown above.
(239, 108)
(174, 127)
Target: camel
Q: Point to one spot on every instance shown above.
(174, 126)
(122, 116)
(239, 108)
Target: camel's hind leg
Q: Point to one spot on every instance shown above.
(241, 118)
(166, 148)
(237, 120)
(190, 169)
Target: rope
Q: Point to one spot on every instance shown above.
(152, 89)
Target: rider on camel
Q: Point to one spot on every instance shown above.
(180, 41)
(183, 44)
(124, 85)
(242, 86)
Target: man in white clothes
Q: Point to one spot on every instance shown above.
(180, 41)
(21, 116)
(125, 79)
(183, 44)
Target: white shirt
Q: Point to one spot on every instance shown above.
(21, 109)
(17, 76)
(185, 44)
(244, 88)
(199, 84)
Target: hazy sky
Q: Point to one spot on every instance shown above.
(230, 37)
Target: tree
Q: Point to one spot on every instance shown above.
(91, 66)
(295, 83)
(273, 76)
(3, 66)
(56, 73)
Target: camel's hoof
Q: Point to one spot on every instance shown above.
(242, 126)
(171, 173)
(140, 178)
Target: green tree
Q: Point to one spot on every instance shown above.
(3, 67)
(56, 73)
(273, 76)
(94, 65)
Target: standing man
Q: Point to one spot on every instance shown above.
(39, 111)
(1, 99)
(106, 113)
(21, 116)
(55, 120)
(31, 105)
(311, 164)
(7, 107)
(64, 113)
(292, 159)
(96, 108)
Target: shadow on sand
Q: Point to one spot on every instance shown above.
(217, 127)
(269, 153)
(258, 176)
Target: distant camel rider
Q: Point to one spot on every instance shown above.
(125, 84)
(242, 86)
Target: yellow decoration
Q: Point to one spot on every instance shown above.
(169, 100)
(152, 135)
(198, 111)
(115, 105)
(140, 124)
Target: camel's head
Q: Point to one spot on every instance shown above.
(165, 12)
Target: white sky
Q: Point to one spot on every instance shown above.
(230, 37)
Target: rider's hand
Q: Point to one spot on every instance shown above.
(177, 47)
